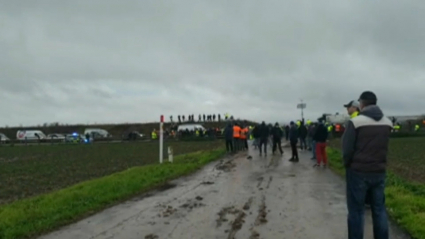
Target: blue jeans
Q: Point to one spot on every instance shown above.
(313, 148)
(358, 184)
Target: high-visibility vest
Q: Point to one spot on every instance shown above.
(417, 127)
(355, 114)
(244, 133)
(154, 136)
(197, 132)
(236, 132)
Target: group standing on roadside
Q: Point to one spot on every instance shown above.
(236, 137)
(365, 143)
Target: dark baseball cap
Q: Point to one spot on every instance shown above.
(369, 96)
(353, 103)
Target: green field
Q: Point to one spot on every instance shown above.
(32, 170)
(405, 191)
(406, 157)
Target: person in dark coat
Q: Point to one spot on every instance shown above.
(287, 132)
(320, 137)
(228, 136)
(293, 139)
(302, 133)
(277, 135)
(264, 137)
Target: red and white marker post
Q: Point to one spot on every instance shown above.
(161, 139)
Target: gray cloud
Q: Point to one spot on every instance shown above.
(124, 61)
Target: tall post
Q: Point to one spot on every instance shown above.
(302, 106)
(161, 139)
(302, 111)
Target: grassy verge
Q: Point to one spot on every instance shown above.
(405, 200)
(34, 216)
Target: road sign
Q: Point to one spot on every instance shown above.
(301, 106)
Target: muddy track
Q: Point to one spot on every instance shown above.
(237, 224)
(262, 213)
(269, 182)
(247, 205)
(260, 180)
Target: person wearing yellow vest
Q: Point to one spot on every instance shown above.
(397, 127)
(154, 135)
(236, 137)
(353, 108)
(417, 127)
(250, 128)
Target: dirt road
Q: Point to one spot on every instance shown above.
(266, 197)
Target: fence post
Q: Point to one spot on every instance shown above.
(170, 154)
(161, 139)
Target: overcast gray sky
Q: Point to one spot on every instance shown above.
(91, 61)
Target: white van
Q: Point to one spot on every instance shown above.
(97, 133)
(190, 127)
(3, 138)
(30, 135)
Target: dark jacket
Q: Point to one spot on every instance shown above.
(302, 131)
(264, 131)
(256, 132)
(320, 134)
(228, 132)
(311, 131)
(277, 133)
(293, 133)
(365, 141)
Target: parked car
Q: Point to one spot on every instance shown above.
(96, 133)
(55, 137)
(75, 138)
(134, 135)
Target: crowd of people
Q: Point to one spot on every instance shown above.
(365, 143)
(201, 118)
(310, 136)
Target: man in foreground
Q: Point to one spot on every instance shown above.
(353, 110)
(364, 148)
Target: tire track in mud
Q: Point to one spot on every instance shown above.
(269, 182)
(261, 218)
(239, 220)
(260, 180)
